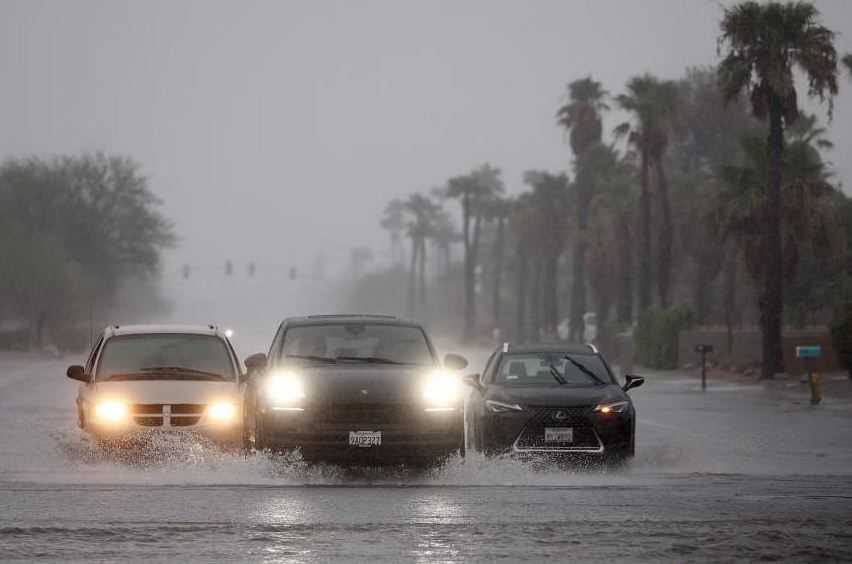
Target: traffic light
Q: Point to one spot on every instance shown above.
(185, 271)
(293, 273)
(251, 269)
(229, 268)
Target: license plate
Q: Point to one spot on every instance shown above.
(559, 434)
(365, 439)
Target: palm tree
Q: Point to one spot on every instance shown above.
(548, 204)
(522, 224)
(420, 227)
(765, 42)
(654, 104)
(393, 221)
(582, 117)
(610, 266)
(810, 226)
(499, 210)
(473, 190)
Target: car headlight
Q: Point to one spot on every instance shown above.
(442, 391)
(612, 407)
(222, 411)
(501, 407)
(111, 411)
(284, 387)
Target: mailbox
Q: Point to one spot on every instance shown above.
(810, 351)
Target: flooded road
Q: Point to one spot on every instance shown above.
(735, 474)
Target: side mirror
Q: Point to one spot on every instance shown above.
(255, 362)
(77, 372)
(632, 382)
(472, 380)
(455, 362)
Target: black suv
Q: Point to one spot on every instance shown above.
(355, 389)
(552, 401)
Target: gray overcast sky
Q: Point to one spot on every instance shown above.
(275, 129)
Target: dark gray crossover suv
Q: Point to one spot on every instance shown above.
(552, 401)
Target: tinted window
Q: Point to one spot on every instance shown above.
(534, 369)
(134, 353)
(394, 343)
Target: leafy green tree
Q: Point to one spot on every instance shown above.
(764, 43)
(581, 116)
(75, 229)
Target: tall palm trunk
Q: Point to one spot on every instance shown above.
(731, 296)
(772, 302)
(645, 237)
(578, 288)
(521, 290)
(422, 274)
(412, 277)
(535, 299)
(469, 290)
(625, 262)
(498, 272)
(550, 313)
(664, 263)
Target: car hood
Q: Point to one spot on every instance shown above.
(363, 383)
(167, 391)
(557, 396)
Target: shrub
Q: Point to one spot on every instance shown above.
(656, 336)
(841, 335)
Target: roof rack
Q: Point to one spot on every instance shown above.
(334, 315)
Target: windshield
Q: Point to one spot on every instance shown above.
(358, 342)
(537, 369)
(165, 356)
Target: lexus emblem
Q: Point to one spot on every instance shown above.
(364, 392)
(560, 415)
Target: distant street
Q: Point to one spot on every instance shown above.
(734, 474)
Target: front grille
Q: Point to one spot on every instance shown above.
(377, 413)
(532, 435)
(152, 414)
(149, 421)
(184, 421)
(146, 408)
(188, 408)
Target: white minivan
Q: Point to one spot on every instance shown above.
(145, 379)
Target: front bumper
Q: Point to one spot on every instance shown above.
(522, 434)
(408, 433)
(146, 421)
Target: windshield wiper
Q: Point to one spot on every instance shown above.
(557, 376)
(585, 370)
(180, 369)
(371, 359)
(312, 357)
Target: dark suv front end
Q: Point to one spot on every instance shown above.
(553, 402)
(357, 390)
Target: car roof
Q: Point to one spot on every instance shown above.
(567, 348)
(349, 318)
(117, 330)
